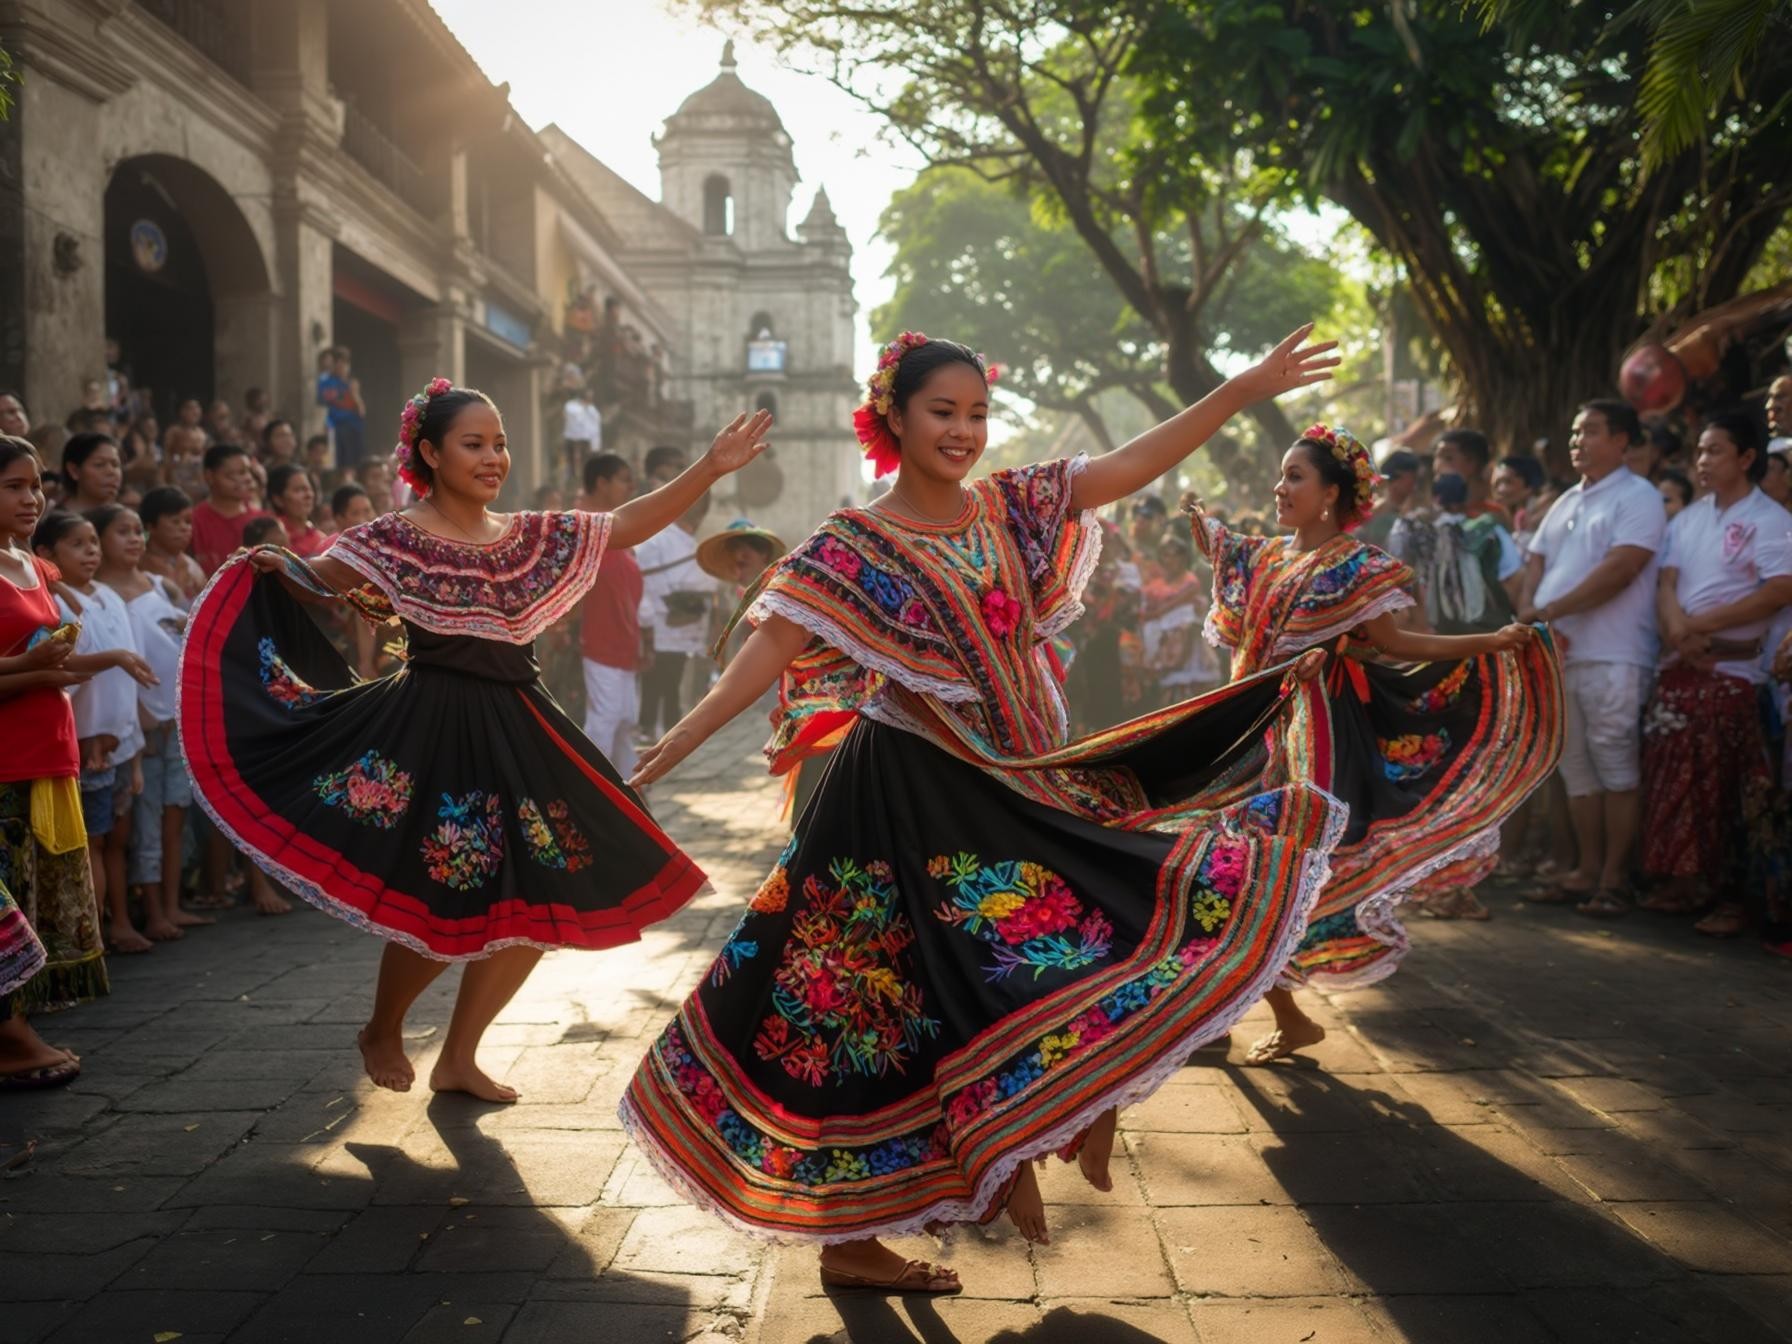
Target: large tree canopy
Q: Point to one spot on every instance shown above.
(982, 262)
(1501, 168)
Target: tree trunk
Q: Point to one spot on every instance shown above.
(1192, 376)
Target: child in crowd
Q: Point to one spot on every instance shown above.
(167, 515)
(350, 507)
(1516, 482)
(43, 860)
(106, 722)
(159, 813)
(279, 444)
(183, 451)
(375, 477)
(219, 520)
(1676, 491)
(92, 471)
(293, 498)
(266, 531)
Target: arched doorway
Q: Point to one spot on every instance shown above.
(182, 268)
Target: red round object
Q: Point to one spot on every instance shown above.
(1652, 379)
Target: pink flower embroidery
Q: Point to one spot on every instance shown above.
(837, 558)
(1001, 613)
(1736, 536)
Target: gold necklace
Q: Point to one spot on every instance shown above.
(921, 515)
(451, 523)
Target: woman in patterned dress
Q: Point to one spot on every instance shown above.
(451, 808)
(982, 938)
(1430, 751)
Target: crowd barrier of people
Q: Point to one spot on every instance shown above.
(1664, 572)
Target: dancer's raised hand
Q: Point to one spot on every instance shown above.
(1292, 364)
(742, 439)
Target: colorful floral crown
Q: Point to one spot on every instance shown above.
(871, 421)
(410, 420)
(1350, 453)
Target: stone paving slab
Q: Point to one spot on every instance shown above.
(1540, 1130)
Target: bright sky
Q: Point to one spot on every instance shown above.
(610, 74)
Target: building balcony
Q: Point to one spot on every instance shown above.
(368, 145)
(217, 29)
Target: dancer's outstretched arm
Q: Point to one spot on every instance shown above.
(771, 648)
(1134, 465)
(739, 443)
(1417, 647)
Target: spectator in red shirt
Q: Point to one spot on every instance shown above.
(610, 624)
(218, 521)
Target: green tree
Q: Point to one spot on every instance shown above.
(1697, 54)
(1501, 170)
(988, 264)
(1034, 93)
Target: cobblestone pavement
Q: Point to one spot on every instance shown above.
(1541, 1129)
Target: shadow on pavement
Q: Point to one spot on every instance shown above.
(1472, 1232)
(881, 1320)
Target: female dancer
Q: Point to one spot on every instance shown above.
(1429, 759)
(981, 938)
(451, 808)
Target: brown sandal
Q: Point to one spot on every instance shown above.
(1606, 903)
(917, 1276)
(1728, 920)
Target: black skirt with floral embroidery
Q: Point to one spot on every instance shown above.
(452, 806)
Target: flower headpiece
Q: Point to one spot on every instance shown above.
(1349, 452)
(871, 421)
(409, 421)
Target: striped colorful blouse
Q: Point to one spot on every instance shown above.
(958, 614)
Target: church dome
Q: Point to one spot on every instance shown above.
(725, 103)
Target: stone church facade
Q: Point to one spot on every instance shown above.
(761, 316)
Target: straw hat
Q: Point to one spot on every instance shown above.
(712, 554)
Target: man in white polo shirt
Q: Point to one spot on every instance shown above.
(1591, 575)
(1725, 573)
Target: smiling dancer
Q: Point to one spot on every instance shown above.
(981, 938)
(451, 808)
(1430, 759)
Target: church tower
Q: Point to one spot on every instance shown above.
(767, 313)
(725, 163)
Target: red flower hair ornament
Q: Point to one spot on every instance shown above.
(871, 421)
(404, 455)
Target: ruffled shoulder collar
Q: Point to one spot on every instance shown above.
(510, 589)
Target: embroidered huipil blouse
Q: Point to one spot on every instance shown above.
(955, 614)
(509, 590)
(1271, 602)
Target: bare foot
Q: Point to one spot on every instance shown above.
(186, 919)
(1026, 1207)
(269, 902)
(384, 1059)
(1098, 1147)
(124, 939)
(1285, 1041)
(22, 1050)
(471, 1079)
(161, 930)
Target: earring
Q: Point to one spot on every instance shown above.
(1325, 515)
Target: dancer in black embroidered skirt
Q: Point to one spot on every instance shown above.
(452, 808)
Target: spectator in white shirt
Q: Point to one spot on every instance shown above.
(584, 430)
(1725, 573)
(1591, 575)
(675, 607)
